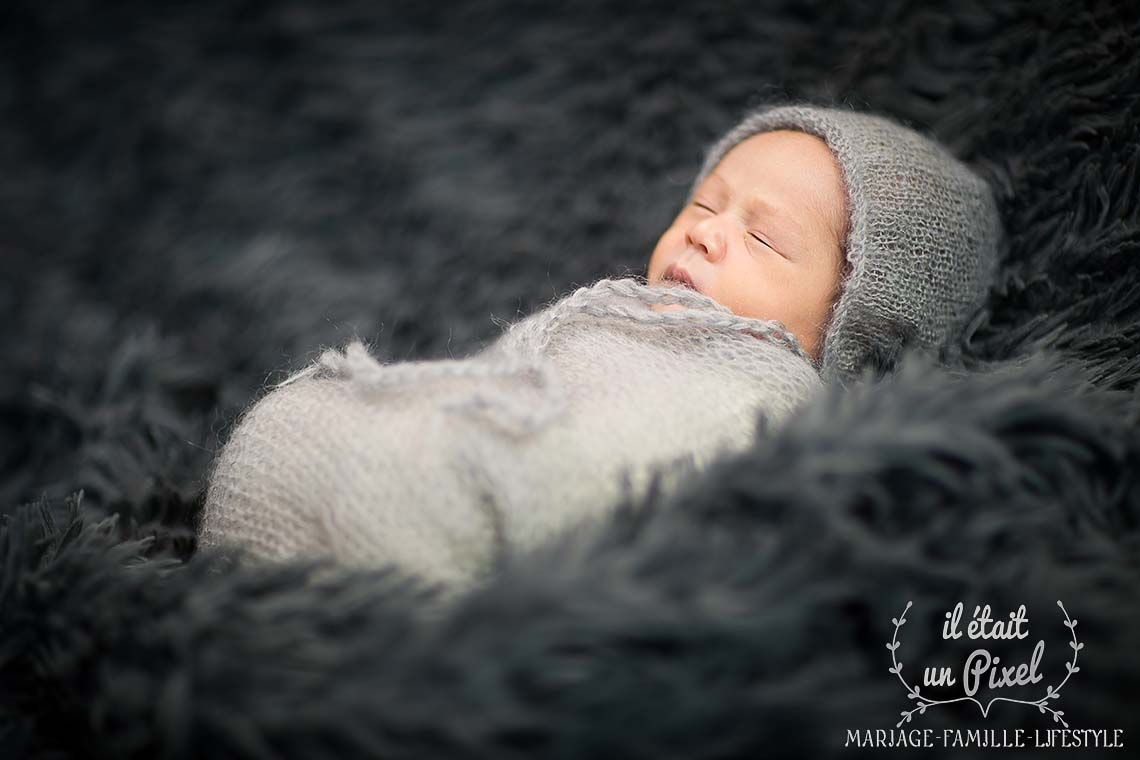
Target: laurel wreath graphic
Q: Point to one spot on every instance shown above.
(923, 702)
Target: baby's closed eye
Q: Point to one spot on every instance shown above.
(751, 233)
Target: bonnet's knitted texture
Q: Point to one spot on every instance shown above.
(437, 466)
(924, 232)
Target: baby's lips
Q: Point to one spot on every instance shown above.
(679, 276)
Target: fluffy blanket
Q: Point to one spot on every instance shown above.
(197, 200)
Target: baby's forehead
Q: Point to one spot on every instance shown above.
(790, 159)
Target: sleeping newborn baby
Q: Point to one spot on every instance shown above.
(814, 241)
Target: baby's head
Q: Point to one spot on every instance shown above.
(764, 233)
(859, 234)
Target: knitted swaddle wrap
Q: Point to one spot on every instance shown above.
(923, 239)
(436, 466)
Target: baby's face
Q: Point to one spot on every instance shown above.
(764, 234)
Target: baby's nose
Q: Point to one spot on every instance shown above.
(707, 239)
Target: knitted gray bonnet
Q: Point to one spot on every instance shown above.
(923, 239)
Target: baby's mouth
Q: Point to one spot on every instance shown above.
(674, 276)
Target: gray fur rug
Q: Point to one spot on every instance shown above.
(197, 198)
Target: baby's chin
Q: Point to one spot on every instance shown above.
(668, 307)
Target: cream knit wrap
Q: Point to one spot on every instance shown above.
(440, 466)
